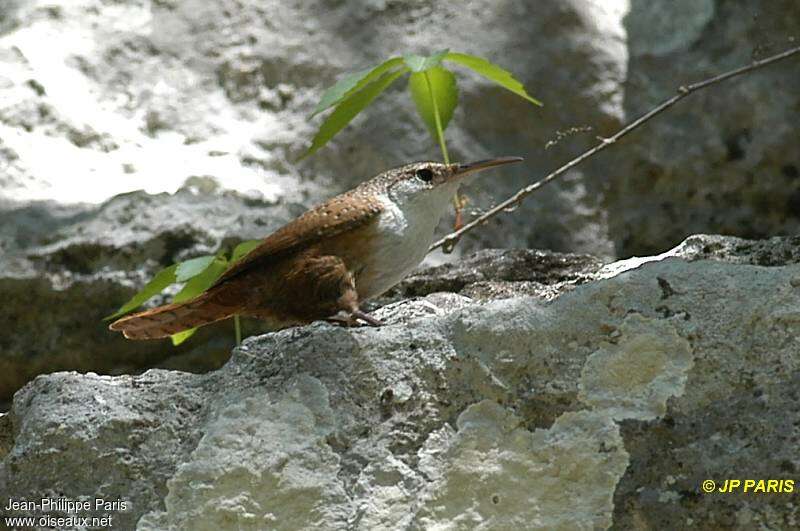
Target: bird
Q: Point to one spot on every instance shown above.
(324, 264)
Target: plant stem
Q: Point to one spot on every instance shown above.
(438, 120)
(238, 327)
(443, 146)
(451, 239)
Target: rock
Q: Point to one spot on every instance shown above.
(500, 273)
(622, 395)
(722, 160)
(770, 252)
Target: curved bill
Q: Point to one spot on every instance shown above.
(463, 169)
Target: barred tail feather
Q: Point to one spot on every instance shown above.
(170, 319)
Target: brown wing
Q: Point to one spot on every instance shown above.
(335, 216)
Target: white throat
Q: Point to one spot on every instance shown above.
(404, 235)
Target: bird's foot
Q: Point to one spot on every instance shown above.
(367, 318)
(352, 319)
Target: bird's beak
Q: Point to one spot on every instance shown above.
(463, 169)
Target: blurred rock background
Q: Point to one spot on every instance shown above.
(137, 133)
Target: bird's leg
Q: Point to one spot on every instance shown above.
(351, 319)
(350, 313)
(334, 293)
(343, 319)
(367, 318)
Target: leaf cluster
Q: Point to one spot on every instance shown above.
(432, 87)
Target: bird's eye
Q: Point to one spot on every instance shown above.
(424, 174)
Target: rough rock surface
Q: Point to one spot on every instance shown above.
(621, 395)
(500, 273)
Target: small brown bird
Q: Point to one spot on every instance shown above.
(323, 264)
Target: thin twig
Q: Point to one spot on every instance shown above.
(449, 241)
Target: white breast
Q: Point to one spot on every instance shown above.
(401, 244)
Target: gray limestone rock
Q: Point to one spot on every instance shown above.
(607, 405)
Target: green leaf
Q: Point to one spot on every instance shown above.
(420, 63)
(202, 281)
(161, 280)
(193, 267)
(349, 108)
(339, 90)
(243, 249)
(352, 83)
(445, 93)
(194, 287)
(492, 72)
(180, 337)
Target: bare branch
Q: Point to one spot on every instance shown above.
(449, 241)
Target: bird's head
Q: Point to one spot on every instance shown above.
(432, 184)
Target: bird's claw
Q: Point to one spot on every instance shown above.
(367, 318)
(352, 319)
